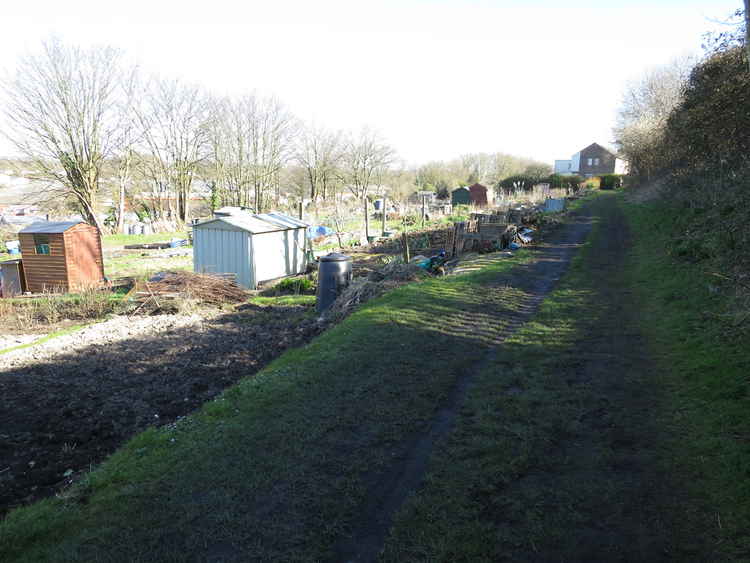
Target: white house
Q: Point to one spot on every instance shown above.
(254, 247)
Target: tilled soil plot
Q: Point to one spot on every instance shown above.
(69, 404)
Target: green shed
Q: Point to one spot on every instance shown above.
(461, 196)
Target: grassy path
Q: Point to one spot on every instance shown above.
(554, 456)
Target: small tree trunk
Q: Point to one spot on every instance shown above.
(384, 214)
(367, 218)
(121, 210)
(405, 244)
(747, 32)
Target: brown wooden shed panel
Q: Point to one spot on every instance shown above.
(84, 251)
(478, 194)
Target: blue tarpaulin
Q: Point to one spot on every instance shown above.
(319, 231)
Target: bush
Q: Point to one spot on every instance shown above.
(517, 182)
(610, 181)
(565, 181)
(295, 286)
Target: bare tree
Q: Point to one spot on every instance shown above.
(363, 156)
(174, 118)
(125, 154)
(319, 153)
(272, 132)
(251, 140)
(644, 111)
(64, 111)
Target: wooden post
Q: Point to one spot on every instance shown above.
(405, 244)
(384, 215)
(424, 212)
(299, 210)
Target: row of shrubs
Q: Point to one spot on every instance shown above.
(562, 181)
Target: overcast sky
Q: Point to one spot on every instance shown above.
(437, 78)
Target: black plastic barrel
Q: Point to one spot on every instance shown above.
(334, 274)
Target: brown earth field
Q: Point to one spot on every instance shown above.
(60, 416)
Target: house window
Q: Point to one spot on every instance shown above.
(591, 161)
(596, 162)
(41, 244)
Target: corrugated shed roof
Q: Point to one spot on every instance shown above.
(258, 223)
(282, 219)
(49, 227)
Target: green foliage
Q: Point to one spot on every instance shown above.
(610, 181)
(565, 181)
(537, 171)
(295, 286)
(460, 213)
(705, 167)
(517, 182)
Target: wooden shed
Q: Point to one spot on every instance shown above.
(12, 280)
(480, 195)
(61, 256)
(460, 196)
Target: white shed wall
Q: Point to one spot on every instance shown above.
(278, 254)
(223, 250)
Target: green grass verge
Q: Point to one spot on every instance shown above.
(273, 469)
(143, 266)
(113, 241)
(707, 361)
(284, 300)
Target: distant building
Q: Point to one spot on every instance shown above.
(593, 160)
(480, 195)
(461, 196)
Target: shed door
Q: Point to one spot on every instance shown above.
(223, 251)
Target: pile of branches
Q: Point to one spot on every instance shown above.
(362, 289)
(418, 239)
(359, 291)
(399, 272)
(202, 288)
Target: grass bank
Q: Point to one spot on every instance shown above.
(705, 356)
(273, 470)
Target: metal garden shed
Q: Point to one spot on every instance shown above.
(61, 256)
(254, 247)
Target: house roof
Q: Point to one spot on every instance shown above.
(597, 145)
(477, 186)
(461, 188)
(258, 223)
(49, 227)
